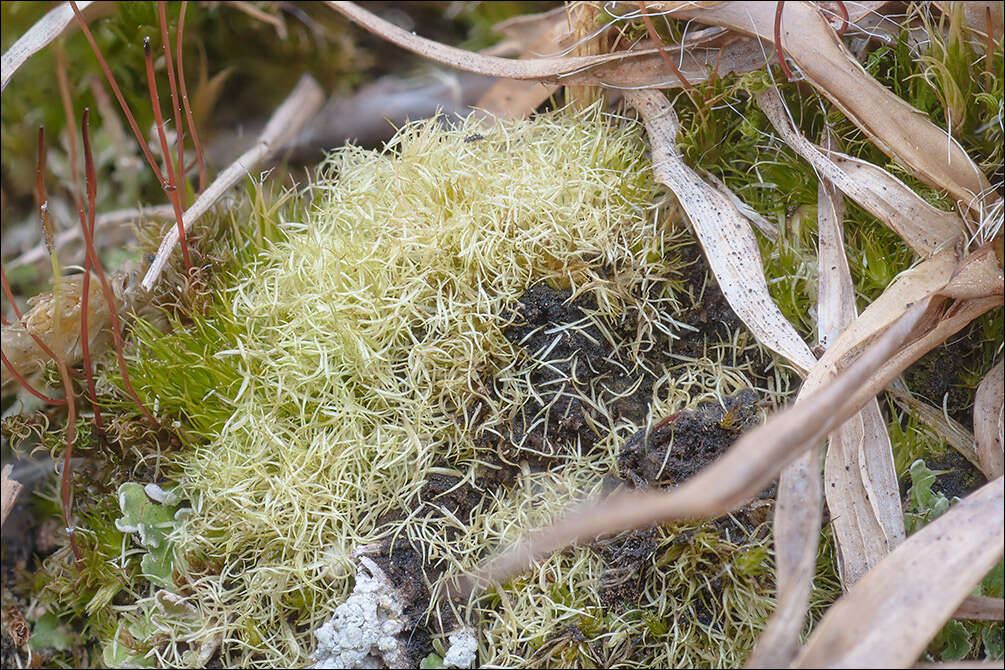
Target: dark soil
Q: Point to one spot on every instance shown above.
(567, 364)
(403, 564)
(939, 376)
(693, 439)
(627, 564)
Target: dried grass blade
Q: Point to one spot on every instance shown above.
(56, 22)
(989, 421)
(286, 121)
(740, 473)
(891, 614)
(860, 478)
(800, 492)
(958, 437)
(638, 68)
(516, 99)
(896, 127)
(982, 608)
(724, 233)
(922, 226)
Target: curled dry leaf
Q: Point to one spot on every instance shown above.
(865, 506)
(989, 421)
(922, 226)
(978, 275)
(724, 233)
(514, 98)
(888, 618)
(893, 125)
(55, 319)
(305, 100)
(640, 68)
(798, 503)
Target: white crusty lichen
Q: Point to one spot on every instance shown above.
(463, 649)
(364, 631)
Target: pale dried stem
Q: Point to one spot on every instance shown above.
(298, 108)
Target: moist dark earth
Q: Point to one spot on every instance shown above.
(581, 361)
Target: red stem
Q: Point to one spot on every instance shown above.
(172, 196)
(175, 107)
(71, 437)
(9, 294)
(778, 40)
(41, 195)
(118, 93)
(87, 224)
(105, 287)
(184, 99)
(844, 18)
(71, 137)
(170, 187)
(28, 387)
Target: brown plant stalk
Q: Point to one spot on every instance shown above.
(136, 130)
(184, 99)
(105, 286)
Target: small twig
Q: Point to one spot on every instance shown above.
(300, 106)
(104, 223)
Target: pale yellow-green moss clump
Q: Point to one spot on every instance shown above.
(357, 346)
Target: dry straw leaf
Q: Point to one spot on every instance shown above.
(864, 531)
(639, 68)
(889, 617)
(724, 233)
(860, 480)
(514, 98)
(56, 22)
(923, 227)
(977, 15)
(896, 127)
(983, 608)
(989, 421)
(958, 437)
